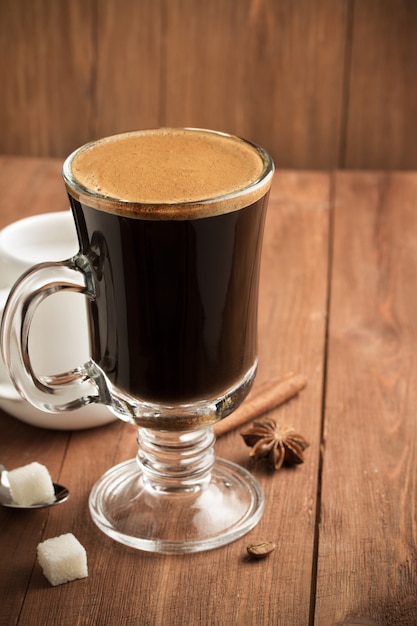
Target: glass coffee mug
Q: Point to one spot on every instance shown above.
(170, 225)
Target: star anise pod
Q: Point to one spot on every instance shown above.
(277, 444)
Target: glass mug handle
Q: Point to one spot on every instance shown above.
(57, 392)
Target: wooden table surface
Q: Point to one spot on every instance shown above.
(338, 303)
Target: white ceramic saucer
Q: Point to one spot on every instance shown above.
(89, 416)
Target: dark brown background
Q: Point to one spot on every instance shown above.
(320, 83)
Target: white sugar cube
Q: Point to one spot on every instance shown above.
(31, 484)
(62, 559)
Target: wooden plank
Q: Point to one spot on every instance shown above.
(269, 71)
(21, 531)
(130, 57)
(367, 548)
(320, 85)
(46, 61)
(29, 186)
(382, 101)
(220, 587)
(72, 72)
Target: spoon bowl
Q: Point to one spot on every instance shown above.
(61, 494)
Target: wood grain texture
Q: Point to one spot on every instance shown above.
(269, 71)
(21, 533)
(320, 84)
(381, 124)
(367, 562)
(30, 186)
(220, 587)
(129, 66)
(46, 61)
(338, 304)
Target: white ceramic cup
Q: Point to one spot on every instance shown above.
(58, 336)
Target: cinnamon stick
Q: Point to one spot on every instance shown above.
(265, 398)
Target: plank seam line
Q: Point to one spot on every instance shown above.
(344, 108)
(314, 569)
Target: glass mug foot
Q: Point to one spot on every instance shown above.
(174, 497)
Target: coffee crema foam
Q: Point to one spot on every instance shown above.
(168, 174)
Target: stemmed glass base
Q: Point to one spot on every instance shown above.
(175, 497)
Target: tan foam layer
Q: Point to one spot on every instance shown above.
(175, 173)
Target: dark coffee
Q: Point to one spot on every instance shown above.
(175, 313)
(170, 222)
